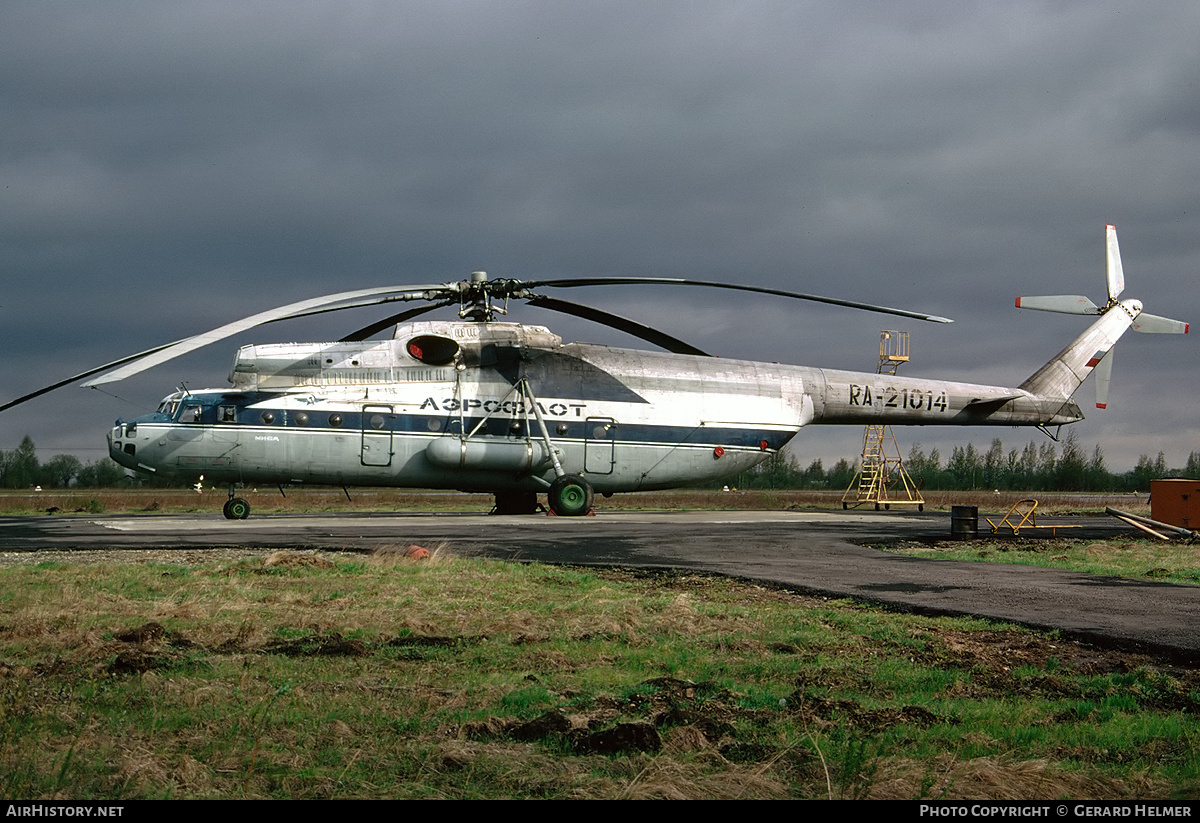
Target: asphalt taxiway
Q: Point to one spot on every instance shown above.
(826, 553)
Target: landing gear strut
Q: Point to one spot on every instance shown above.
(569, 495)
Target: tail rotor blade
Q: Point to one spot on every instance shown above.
(1062, 303)
(1116, 273)
(1103, 373)
(1154, 324)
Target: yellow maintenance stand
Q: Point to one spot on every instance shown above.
(882, 479)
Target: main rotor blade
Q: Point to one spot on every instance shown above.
(650, 335)
(82, 375)
(173, 350)
(426, 293)
(367, 331)
(675, 281)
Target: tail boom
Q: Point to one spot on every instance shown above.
(1042, 400)
(860, 398)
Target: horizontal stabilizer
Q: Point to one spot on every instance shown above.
(1154, 324)
(985, 401)
(989, 405)
(1063, 303)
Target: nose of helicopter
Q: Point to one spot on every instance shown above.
(119, 449)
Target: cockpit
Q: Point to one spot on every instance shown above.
(185, 407)
(170, 404)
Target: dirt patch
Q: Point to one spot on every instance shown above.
(331, 644)
(1012, 663)
(296, 560)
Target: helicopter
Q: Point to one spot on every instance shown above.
(478, 404)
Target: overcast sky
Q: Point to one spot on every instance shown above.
(169, 167)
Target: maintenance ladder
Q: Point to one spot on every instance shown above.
(882, 478)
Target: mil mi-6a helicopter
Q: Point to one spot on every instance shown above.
(480, 405)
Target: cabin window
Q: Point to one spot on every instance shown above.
(377, 421)
(268, 417)
(335, 420)
(300, 418)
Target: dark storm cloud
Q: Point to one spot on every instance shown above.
(167, 167)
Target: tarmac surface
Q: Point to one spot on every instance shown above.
(823, 553)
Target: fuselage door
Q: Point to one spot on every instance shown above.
(377, 435)
(599, 438)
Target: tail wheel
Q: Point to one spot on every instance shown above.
(236, 509)
(570, 496)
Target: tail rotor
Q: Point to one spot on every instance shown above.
(1099, 360)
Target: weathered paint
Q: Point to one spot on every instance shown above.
(372, 413)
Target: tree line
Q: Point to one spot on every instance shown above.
(21, 469)
(1036, 467)
(1048, 466)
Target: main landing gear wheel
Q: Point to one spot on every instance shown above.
(236, 509)
(570, 496)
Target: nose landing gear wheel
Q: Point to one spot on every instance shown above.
(570, 496)
(236, 509)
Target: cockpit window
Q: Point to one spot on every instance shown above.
(190, 414)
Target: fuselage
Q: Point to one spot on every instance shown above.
(481, 406)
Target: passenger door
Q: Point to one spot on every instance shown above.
(377, 424)
(599, 439)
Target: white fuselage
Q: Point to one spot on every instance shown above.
(466, 416)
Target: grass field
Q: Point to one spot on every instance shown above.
(231, 674)
(1138, 557)
(305, 675)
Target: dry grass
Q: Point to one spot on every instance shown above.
(306, 675)
(1170, 562)
(998, 778)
